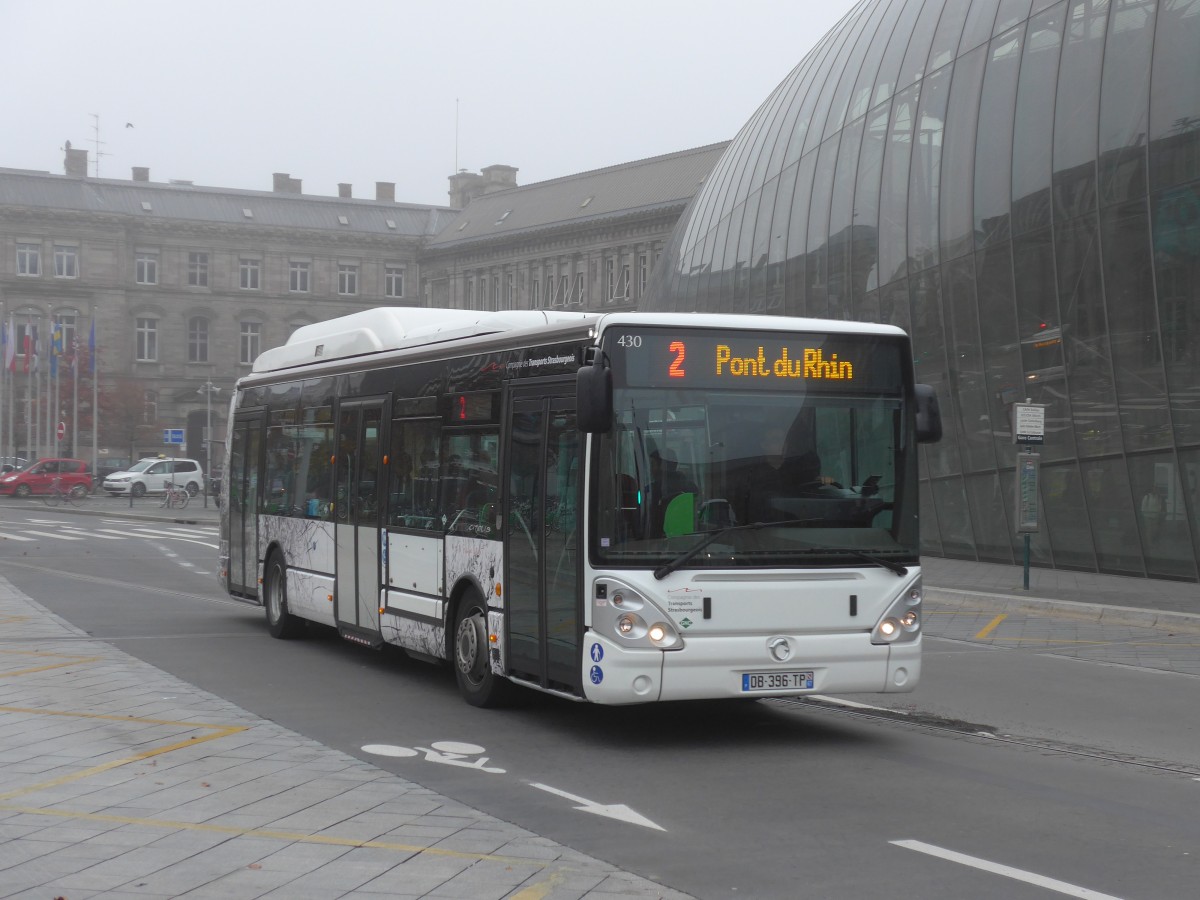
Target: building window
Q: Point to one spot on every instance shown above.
(147, 340)
(198, 269)
(347, 279)
(150, 406)
(29, 259)
(495, 292)
(145, 269)
(198, 339)
(298, 277)
(66, 261)
(535, 300)
(66, 338)
(579, 290)
(250, 343)
(643, 274)
(469, 294)
(508, 292)
(248, 272)
(393, 281)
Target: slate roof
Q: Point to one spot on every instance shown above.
(182, 202)
(643, 185)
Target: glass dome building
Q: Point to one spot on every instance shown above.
(1017, 183)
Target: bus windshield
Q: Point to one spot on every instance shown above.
(825, 473)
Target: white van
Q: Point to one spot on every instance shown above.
(150, 476)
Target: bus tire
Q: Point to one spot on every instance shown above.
(280, 623)
(477, 683)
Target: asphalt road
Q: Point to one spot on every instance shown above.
(943, 799)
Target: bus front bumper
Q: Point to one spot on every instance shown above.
(714, 667)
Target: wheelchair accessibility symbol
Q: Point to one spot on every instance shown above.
(597, 675)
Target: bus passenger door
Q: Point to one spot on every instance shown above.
(242, 513)
(541, 536)
(357, 498)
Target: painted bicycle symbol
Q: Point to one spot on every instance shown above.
(448, 753)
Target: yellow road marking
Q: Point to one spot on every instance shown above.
(218, 731)
(296, 836)
(987, 629)
(539, 890)
(69, 661)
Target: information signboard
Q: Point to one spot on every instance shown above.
(1027, 492)
(172, 435)
(1029, 423)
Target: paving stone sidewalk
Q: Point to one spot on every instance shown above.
(120, 781)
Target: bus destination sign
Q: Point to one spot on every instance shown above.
(759, 360)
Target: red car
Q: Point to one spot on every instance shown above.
(37, 478)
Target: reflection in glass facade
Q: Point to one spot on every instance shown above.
(1017, 183)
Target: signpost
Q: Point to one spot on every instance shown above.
(1029, 430)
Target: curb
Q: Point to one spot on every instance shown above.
(1113, 615)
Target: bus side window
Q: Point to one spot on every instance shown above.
(469, 482)
(413, 473)
(313, 471)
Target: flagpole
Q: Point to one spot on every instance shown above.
(75, 398)
(95, 393)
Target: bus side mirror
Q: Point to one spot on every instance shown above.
(594, 398)
(929, 414)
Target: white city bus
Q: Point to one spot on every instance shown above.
(620, 508)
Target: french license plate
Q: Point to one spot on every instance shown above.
(776, 681)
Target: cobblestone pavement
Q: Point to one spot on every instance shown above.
(118, 780)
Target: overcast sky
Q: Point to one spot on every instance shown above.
(227, 92)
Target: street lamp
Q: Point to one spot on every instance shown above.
(207, 389)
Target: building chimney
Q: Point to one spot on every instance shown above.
(286, 184)
(141, 173)
(76, 162)
(499, 178)
(344, 190)
(385, 190)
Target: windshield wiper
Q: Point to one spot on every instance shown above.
(866, 557)
(663, 571)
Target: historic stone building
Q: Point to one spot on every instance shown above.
(586, 241)
(186, 285)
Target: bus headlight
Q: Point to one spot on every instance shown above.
(633, 619)
(901, 622)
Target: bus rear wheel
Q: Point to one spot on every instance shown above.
(280, 623)
(478, 684)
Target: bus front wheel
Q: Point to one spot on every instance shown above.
(479, 685)
(280, 622)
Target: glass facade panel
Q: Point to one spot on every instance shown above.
(893, 192)
(993, 146)
(958, 156)
(1065, 517)
(1110, 510)
(1125, 101)
(924, 172)
(1133, 326)
(954, 518)
(990, 517)
(1077, 108)
(1033, 127)
(1175, 97)
(1017, 184)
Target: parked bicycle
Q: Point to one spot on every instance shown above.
(76, 494)
(175, 496)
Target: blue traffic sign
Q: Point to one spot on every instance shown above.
(172, 435)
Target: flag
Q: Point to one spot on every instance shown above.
(92, 347)
(9, 348)
(28, 349)
(55, 347)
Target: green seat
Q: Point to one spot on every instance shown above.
(680, 515)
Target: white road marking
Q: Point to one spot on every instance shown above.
(617, 811)
(1051, 884)
(47, 534)
(15, 537)
(853, 704)
(93, 534)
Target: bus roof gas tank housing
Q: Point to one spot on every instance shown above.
(393, 327)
